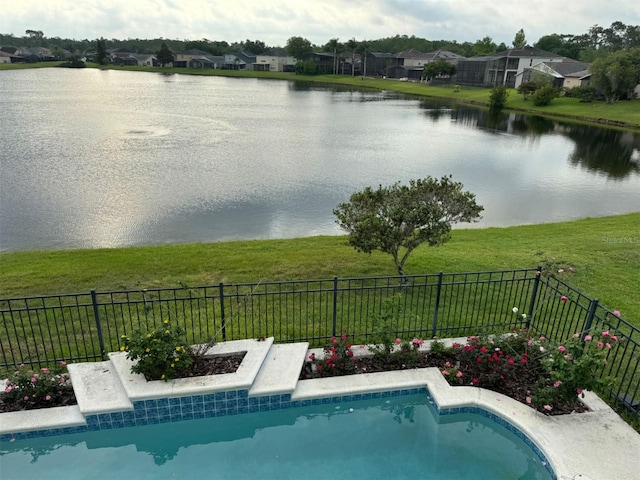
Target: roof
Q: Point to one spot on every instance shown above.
(567, 68)
(382, 55)
(194, 51)
(525, 52)
(274, 52)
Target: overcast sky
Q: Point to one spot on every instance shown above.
(274, 21)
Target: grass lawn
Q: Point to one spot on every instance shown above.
(604, 253)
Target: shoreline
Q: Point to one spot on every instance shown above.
(514, 103)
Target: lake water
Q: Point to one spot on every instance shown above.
(94, 158)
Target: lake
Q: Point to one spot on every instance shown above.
(94, 158)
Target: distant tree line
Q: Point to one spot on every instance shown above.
(586, 47)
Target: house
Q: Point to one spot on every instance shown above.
(206, 61)
(410, 64)
(567, 74)
(195, 58)
(133, 59)
(502, 68)
(348, 63)
(377, 64)
(5, 57)
(238, 61)
(274, 61)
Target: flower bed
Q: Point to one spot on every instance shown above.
(29, 389)
(550, 378)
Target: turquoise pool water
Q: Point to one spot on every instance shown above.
(393, 438)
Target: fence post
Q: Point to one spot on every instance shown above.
(534, 294)
(434, 326)
(222, 318)
(96, 315)
(590, 317)
(334, 314)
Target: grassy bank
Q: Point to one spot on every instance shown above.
(604, 253)
(624, 114)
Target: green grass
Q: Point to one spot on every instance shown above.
(604, 269)
(623, 114)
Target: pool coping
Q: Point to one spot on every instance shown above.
(595, 444)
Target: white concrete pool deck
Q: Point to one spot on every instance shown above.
(593, 445)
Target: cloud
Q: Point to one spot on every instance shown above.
(274, 21)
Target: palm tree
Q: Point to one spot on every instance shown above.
(332, 45)
(352, 45)
(363, 48)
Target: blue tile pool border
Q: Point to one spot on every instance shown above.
(443, 412)
(237, 402)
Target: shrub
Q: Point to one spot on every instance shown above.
(338, 358)
(29, 389)
(162, 354)
(544, 95)
(527, 88)
(498, 98)
(585, 93)
(308, 67)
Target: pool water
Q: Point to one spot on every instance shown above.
(398, 438)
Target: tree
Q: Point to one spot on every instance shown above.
(164, 55)
(486, 46)
(498, 98)
(255, 47)
(333, 46)
(439, 68)
(297, 47)
(352, 45)
(616, 75)
(363, 49)
(520, 40)
(101, 51)
(398, 219)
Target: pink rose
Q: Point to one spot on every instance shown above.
(48, 397)
(398, 341)
(579, 390)
(562, 349)
(576, 335)
(26, 398)
(563, 298)
(608, 345)
(445, 372)
(600, 344)
(557, 384)
(459, 374)
(528, 399)
(548, 407)
(616, 313)
(587, 338)
(606, 334)
(312, 356)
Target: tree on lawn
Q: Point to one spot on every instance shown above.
(398, 219)
(439, 68)
(164, 55)
(101, 51)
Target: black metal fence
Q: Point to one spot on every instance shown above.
(84, 327)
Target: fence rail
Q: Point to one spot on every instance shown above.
(85, 326)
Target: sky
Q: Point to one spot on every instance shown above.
(274, 21)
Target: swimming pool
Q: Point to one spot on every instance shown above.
(384, 437)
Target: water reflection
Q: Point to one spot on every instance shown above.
(615, 153)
